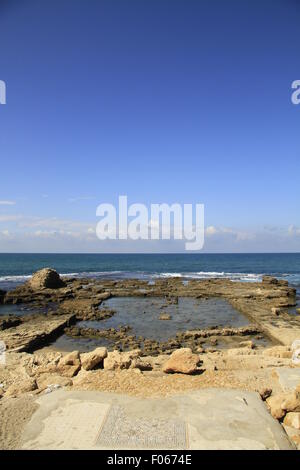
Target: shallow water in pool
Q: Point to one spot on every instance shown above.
(20, 310)
(142, 314)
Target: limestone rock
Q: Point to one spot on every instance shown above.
(140, 365)
(8, 322)
(269, 280)
(67, 371)
(284, 402)
(182, 361)
(276, 310)
(291, 401)
(117, 361)
(69, 364)
(103, 296)
(274, 403)
(278, 351)
(47, 380)
(27, 385)
(46, 278)
(242, 351)
(292, 419)
(92, 359)
(247, 344)
(70, 359)
(165, 316)
(265, 393)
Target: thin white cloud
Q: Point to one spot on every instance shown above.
(293, 230)
(211, 230)
(10, 218)
(49, 223)
(7, 203)
(81, 198)
(19, 232)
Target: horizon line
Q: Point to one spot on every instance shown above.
(155, 253)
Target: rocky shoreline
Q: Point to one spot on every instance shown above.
(64, 303)
(212, 357)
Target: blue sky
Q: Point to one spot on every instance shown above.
(184, 101)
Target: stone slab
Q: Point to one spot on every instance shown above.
(206, 419)
(32, 333)
(289, 377)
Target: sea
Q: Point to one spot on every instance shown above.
(17, 268)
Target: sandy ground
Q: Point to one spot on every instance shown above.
(14, 414)
(149, 385)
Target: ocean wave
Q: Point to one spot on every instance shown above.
(191, 275)
(19, 278)
(25, 277)
(294, 279)
(92, 274)
(247, 277)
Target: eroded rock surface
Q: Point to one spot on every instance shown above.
(95, 358)
(182, 361)
(34, 332)
(46, 278)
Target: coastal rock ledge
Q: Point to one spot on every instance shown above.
(46, 278)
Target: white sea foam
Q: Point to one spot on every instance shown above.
(242, 277)
(246, 277)
(14, 278)
(23, 278)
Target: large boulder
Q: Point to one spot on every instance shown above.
(70, 359)
(46, 278)
(274, 403)
(284, 403)
(93, 359)
(182, 361)
(291, 401)
(69, 365)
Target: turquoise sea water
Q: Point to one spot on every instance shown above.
(16, 268)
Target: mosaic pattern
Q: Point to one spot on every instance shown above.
(122, 431)
(74, 425)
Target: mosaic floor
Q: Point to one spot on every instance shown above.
(122, 431)
(208, 419)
